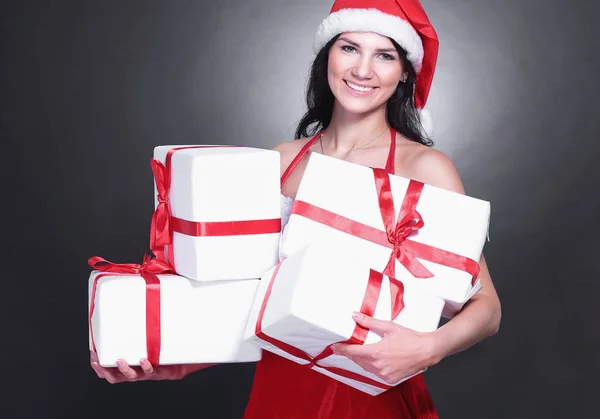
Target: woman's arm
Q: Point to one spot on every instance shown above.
(480, 317)
(403, 352)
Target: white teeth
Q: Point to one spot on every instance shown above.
(359, 88)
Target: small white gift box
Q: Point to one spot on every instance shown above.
(224, 211)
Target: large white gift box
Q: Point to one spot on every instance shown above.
(338, 200)
(199, 322)
(305, 304)
(224, 207)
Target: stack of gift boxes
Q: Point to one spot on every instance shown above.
(215, 230)
(226, 282)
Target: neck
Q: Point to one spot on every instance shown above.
(349, 130)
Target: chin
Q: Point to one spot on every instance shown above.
(358, 107)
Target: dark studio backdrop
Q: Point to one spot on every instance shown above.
(88, 88)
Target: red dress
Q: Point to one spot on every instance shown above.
(283, 389)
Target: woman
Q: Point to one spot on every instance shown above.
(368, 83)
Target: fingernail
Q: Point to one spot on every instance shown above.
(143, 361)
(334, 349)
(356, 315)
(120, 363)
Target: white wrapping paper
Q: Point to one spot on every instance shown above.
(453, 222)
(224, 184)
(200, 322)
(312, 300)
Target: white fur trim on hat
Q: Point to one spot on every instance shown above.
(426, 122)
(371, 20)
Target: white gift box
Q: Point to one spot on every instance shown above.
(452, 222)
(217, 184)
(200, 322)
(310, 306)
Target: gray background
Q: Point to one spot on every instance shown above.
(88, 88)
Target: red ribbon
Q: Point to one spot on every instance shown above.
(164, 224)
(148, 270)
(396, 234)
(359, 334)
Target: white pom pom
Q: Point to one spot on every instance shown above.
(426, 122)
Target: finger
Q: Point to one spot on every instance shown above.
(93, 356)
(352, 351)
(113, 376)
(381, 327)
(146, 366)
(126, 370)
(98, 369)
(349, 351)
(109, 374)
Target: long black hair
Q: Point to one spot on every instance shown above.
(401, 113)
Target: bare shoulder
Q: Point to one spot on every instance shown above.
(288, 150)
(429, 166)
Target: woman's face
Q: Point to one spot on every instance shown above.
(364, 70)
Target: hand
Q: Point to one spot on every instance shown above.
(125, 373)
(401, 353)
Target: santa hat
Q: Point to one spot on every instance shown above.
(404, 21)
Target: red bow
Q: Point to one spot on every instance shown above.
(409, 221)
(161, 231)
(149, 267)
(161, 227)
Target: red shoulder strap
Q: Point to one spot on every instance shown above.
(298, 158)
(390, 166)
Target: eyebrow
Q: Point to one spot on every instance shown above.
(354, 44)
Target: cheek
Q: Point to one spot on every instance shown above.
(334, 66)
(389, 74)
(330, 72)
(331, 78)
(389, 83)
(390, 78)
(335, 71)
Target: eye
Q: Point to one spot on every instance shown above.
(348, 48)
(387, 57)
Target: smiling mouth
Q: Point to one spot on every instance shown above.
(359, 88)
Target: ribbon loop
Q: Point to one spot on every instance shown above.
(103, 265)
(397, 296)
(410, 223)
(161, 177)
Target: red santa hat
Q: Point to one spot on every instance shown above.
(404, 21)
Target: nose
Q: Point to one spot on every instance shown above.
(363, 68)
